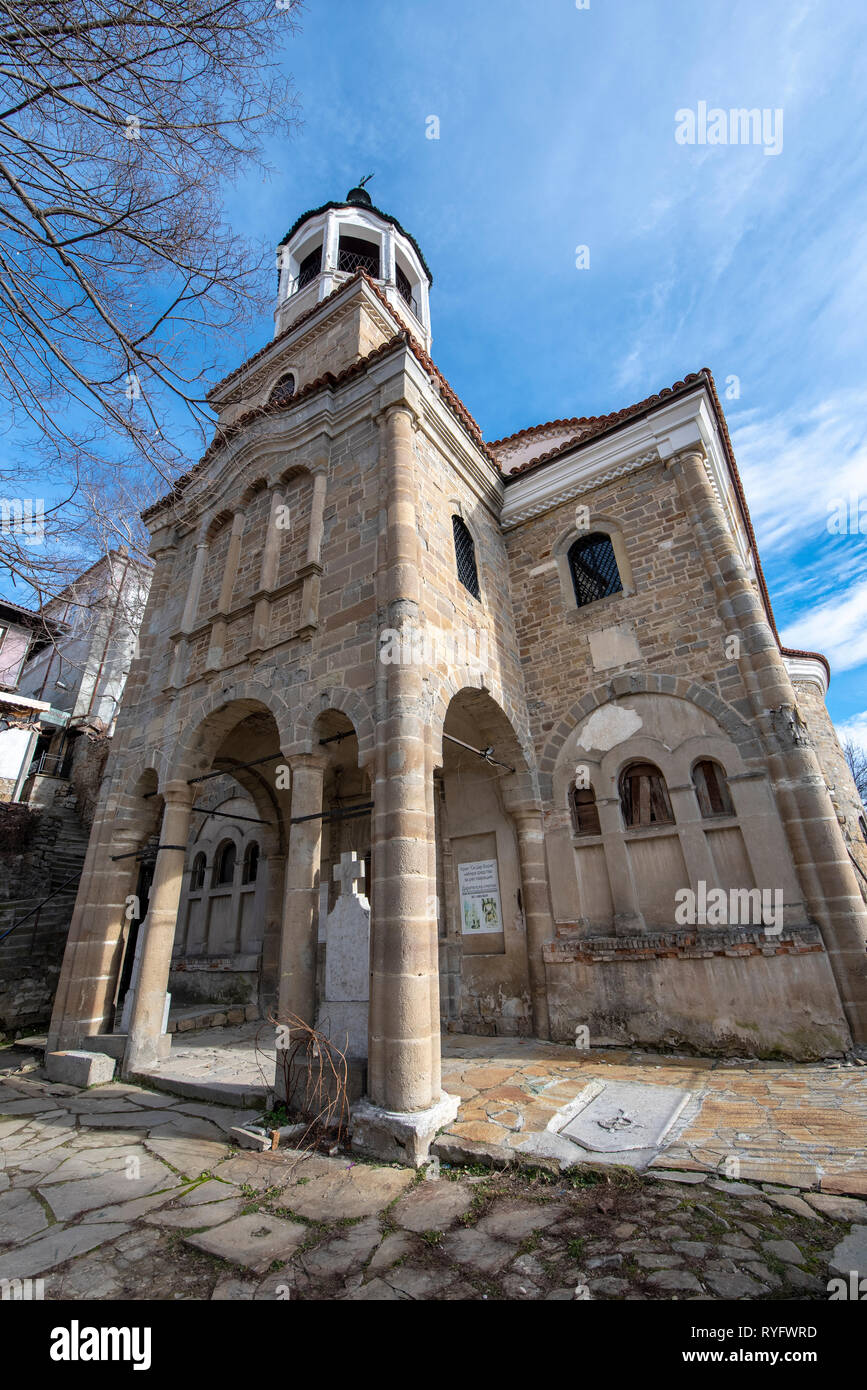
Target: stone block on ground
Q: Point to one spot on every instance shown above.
(80, 1068)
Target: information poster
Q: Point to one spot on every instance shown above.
(480, 897)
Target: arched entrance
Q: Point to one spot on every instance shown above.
(491, 884)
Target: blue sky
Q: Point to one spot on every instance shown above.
(557, 129)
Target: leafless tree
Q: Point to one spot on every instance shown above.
(856, 757)
(122, 123)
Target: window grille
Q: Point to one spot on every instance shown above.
(309, 268)
(355, 254)
(283, 391)
(593, 567)
(465, 554)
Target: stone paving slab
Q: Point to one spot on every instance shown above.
(795, 1122)
(252, 1241)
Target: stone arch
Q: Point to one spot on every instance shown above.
(215, 715)
(304, 738)
(646, 683)
(498, 717)
(444, 688)
(252, 489)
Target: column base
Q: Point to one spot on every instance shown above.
(400, 1136)
(140, 1057)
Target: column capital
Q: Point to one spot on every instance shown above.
(396, 408)
(178, 793)
(313, 761)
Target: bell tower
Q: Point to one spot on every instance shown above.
(329, 245)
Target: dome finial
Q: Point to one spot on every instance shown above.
(359, 193)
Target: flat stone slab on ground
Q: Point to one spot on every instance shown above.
(209, 1214)
(252, 1241)
(59, 1245)
(21, 1216)
(851, 1253)
(70, 1199)
(625, 1115)
(432, 1206)
(361, 1190)
(189, 1156)
(838, 1208)
(477, 1250)
(516, 1221)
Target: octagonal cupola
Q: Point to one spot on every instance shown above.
(326, 247)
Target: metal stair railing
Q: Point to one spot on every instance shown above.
(39, 906)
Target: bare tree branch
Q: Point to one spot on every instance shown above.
(121, 124)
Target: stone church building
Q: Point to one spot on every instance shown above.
(531, 691)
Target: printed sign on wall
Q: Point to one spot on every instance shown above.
(480, 897)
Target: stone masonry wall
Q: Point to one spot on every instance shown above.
(672, 613)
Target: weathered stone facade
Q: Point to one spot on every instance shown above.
(361, 615)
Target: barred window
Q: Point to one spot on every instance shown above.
(465, 554)
(356, 254)
(585, 812)
(283, 391)
(309, 268)
(644, 796)
(593, 568)
(404, 288)
(712, 789)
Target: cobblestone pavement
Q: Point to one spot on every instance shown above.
(124, 1193)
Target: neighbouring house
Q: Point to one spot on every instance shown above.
(70, 663)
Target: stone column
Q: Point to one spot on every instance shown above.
(146, 1023)
(84, 1001)
(694, 846)
(537, 909)
(224, 607)
(628, 918)
(268, 574)
(404, 955)
(296, 990)
(312, 568)
(816, 842)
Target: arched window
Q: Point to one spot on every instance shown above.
(644, 796)
(593, 568)
(465, 554)
(283, 391)
(224, 864)
(197, 876)
(585, 812)
(712, 789)
(404, 288)
(251, 863)
(309, 267)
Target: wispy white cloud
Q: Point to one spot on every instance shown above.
(854, 728)
(838, 628)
